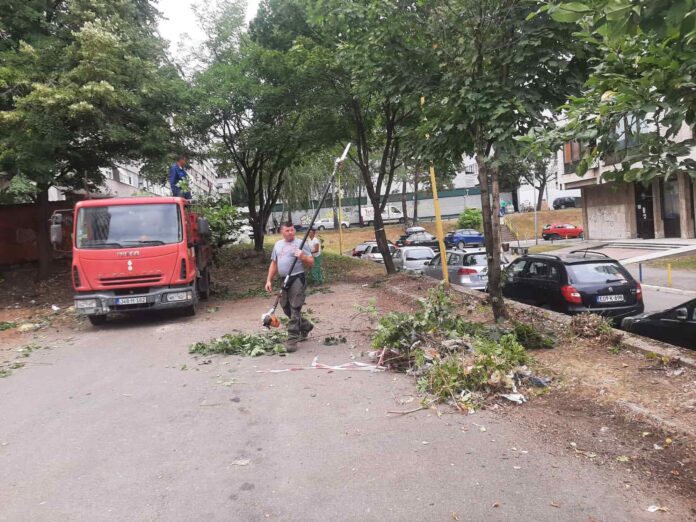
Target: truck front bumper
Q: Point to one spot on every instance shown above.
(154, 298)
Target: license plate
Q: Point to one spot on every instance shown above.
(483, 278)
(131, 300)
(610, 299)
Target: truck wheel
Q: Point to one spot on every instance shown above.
(204, 285)
(343, 225)
(369, 223)
(191, 309)
(97, 320)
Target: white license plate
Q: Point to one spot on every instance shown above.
(131, 300)
(610, 299)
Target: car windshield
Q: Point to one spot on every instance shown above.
(599, 272)
(123, 226)
(475, 259)
(417, 255)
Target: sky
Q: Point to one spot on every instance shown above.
(179, 19)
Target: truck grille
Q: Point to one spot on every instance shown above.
(131, 280)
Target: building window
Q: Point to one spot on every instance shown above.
(572, 153)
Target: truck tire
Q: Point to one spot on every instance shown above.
(204, 285)
(369, 223)
(191, 309)
(343, 225)
(97, 320)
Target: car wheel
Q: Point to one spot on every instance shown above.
(461, 245)
(554, 237)
(321, 227)
(401, 220)
(343, 225)
(205, 284)
(97, 320)
(369, 223)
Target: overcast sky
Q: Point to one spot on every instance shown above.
(179, 19)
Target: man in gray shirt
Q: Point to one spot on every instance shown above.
(293, 296)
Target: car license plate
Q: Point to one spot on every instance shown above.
(610, 299)
(131, 300)
(483, 278)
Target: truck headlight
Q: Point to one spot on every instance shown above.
(174, 297)
(86, 303)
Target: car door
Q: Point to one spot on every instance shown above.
(676, 326)
(512, 279)
(398, 258)
(434, 269)
(454, 263)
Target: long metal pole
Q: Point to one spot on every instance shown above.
(438, 227)
(340, 218)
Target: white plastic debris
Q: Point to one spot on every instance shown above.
(517, 398)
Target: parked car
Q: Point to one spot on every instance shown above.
(328, 224)
(422, 239)
(675, 326)
(469, 269)
(412, 258)
(372, 253)
(464, 238)
(359, 249)
(581, 281)
(409, 231)
(560, 203)
(566, 231)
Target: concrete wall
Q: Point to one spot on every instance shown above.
(609, 211)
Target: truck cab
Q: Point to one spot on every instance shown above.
(140, 253)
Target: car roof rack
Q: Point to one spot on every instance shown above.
(543, 255)
(588, 251)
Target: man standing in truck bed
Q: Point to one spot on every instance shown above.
(176, 175)
(293, 296)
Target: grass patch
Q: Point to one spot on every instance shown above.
(522, 223)
(540, 249)
(530, 337)
(252, 345)
(678, 263)
(7, 325)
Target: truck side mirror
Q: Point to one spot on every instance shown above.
(682, 314)
(203, 226)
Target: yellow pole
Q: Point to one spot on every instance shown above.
(438, 227)
(669, 275)
(340, 218)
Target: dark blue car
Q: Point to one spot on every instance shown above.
(464, 238)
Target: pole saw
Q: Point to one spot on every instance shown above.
(269, 319)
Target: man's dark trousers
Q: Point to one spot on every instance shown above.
(292, 301)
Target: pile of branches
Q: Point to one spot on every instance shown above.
(455, 360)
(252, 345)
(596, 329)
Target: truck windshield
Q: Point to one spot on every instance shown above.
(125, 226)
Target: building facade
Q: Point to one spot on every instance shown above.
(621, 210)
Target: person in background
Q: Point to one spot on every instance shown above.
(314, 243)
(176, 174)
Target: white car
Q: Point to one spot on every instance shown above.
(412, 259)
(328, 224)
(469, 269)
(372, 253)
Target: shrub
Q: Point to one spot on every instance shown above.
(470, 218)
(530, 337)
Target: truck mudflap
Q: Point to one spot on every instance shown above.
(154, 298)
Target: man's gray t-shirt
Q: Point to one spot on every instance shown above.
(284, 254)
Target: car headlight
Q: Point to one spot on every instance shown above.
(174, 297)
(86, 303)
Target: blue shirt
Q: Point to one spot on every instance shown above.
(176, 174)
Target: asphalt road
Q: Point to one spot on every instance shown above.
(122, 424)
(656, 300)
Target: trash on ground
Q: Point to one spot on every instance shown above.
(241, 462)
(349, 366)
(517, 398)
(655, 509)
(334, 340)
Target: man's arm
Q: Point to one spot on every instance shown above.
(305, 257)
(272, 271)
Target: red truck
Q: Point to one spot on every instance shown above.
(138, 253)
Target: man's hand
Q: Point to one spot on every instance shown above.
(298, 254)
(269, 287)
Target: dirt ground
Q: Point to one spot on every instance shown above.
(619, 411)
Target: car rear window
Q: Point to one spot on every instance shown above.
(475, 259)
(361, 248)
(599, 272)
(416, 255)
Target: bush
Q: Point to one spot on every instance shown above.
(470, 218)
(225, 220)
(531, 338)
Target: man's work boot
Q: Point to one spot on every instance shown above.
(291, 345)
(305, 333)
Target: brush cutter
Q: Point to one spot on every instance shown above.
(269, 319)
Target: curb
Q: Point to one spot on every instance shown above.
(630, 341)
(668, 290)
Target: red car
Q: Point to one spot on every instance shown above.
(556, 231)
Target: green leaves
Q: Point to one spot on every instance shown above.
(569, 12)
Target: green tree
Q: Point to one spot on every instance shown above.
(470, 218)
(641, 88)
(499, 72)
(83, 84)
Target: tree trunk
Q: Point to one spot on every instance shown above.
(336, 217)
(490, 206)
(360, 219)
(540, 198)
(43, 240)
(381, 237)
(259, 234)
(404, 207)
